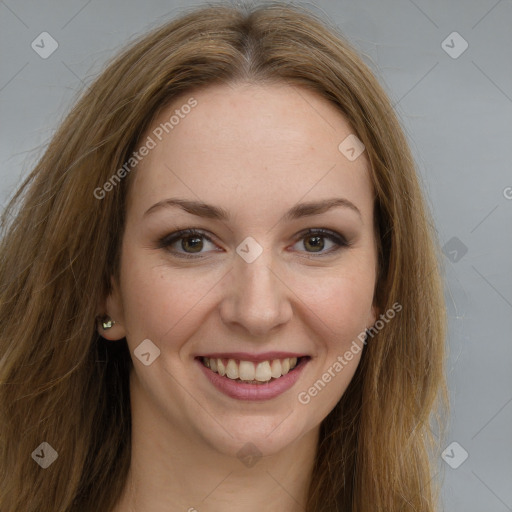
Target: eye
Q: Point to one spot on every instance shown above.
(314, 239)
(188, 241)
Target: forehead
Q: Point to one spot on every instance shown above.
(262, 143)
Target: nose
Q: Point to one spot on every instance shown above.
(257, 298)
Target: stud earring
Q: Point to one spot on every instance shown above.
(107, 323)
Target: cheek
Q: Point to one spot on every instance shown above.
(159, 304)
(341, 301)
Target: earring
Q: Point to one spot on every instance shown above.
(107, 323)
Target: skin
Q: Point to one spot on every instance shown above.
(256, 151)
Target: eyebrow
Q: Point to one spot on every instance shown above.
(209, 211)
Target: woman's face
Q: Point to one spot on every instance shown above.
(251, 166)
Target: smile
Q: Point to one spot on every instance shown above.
(252, 380)
(247, 371)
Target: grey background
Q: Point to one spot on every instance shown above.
(457, 113)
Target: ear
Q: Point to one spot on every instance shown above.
(112, 306)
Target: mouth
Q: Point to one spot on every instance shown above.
(253, 372)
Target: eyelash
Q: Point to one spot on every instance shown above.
(166, 241)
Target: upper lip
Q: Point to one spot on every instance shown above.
(246, 356)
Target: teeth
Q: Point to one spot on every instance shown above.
(232, 370)
(248, 371)
(275, 368)
(263, 371)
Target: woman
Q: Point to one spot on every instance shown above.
(220, 289)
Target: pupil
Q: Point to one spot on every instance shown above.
(195, 248)
(319, 244)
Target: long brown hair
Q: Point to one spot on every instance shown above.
(61, 383)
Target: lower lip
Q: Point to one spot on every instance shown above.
(265, 391)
